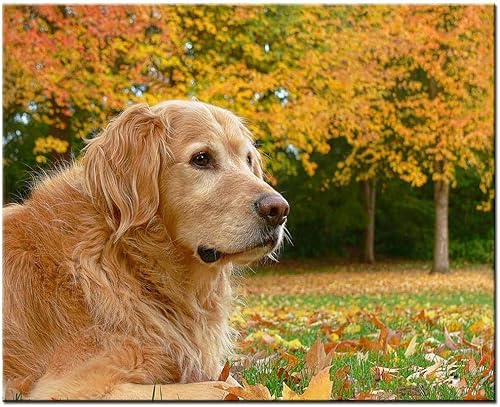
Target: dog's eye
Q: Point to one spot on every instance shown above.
(201, 159)
(249, 160)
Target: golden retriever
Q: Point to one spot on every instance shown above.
(117, 270)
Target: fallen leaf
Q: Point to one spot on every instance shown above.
(469, 344)
(432, 357)
(375, 395)
(448, 341)
(317, 359)
(425, 372)
(471, 365)
(320, 388)
(412, 346)
(249, 392)
(294, 344)
(480, 325)
(291, 360)
(340, 330)
(478, 395)
(344, 378)
(367, 344)
(225, 372)
(384, 373)
(348, 345)
(487, 356)
(342, 373)
(425, 317)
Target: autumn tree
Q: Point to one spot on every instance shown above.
(352, 72)
(367, 62)
(444, 103)
(68, 69)
(89, 62)
(411, 92)
(246, 59)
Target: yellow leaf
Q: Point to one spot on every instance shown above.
(410, 350)
(294, 344)
(320, 388)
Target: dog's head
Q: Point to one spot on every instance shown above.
(193, 165)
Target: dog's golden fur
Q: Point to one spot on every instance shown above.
(104, 294)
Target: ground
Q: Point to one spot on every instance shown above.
(389, 331)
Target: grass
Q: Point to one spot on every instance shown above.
(292, 323)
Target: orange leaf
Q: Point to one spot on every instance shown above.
(479, 395)
(384, 373)
(250, 392)
(290, 359)
(367, 344)
(342, 373)
(343, 346)
(225, 372)
(471, 365)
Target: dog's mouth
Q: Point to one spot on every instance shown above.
(211, 255)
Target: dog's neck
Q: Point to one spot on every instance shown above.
(166, 265)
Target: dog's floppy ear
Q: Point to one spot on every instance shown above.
(122, 167)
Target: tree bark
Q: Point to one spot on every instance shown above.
(441, 263)
(369, 192)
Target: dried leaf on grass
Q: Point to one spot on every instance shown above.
(375, 395)
(317, 359)
(412, 346)
(385, 374)
(320, 388)
(225, 372)
(291, 360)
(270, 324)
(248, 392)
(448, 341)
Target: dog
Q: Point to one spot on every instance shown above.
(117, 271)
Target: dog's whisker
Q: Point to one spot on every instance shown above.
(288, 236)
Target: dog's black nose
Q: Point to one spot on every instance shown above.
(273, 208)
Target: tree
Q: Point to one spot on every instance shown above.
(83, 65)
(89, 62)
(444, 101)
(355, 76)
(412, 89)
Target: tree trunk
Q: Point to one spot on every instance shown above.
(441, 263)
(369, 192)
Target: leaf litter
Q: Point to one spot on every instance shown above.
(350, 348)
